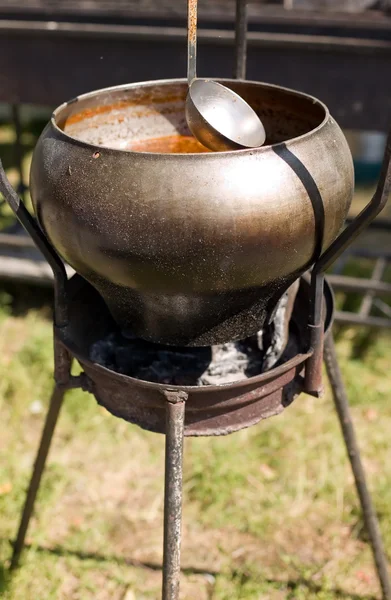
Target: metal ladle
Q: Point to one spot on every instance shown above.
(218, 117)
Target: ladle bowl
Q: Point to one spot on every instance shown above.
(190, 249)
(220, 119)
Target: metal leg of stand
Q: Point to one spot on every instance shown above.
(40, 461)
(345, 419)
(173, 499)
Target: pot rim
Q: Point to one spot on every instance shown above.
(174, 155)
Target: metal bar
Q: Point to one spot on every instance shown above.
(191, 40)
(260, 13)
(377, 274)
(217, 36)
(371, 522)
(21, 189)
(371, 254)
(313, 369)
(349, 318)
(62, 363)
(380, 223)
(382, 307)
(373, 208)
(175, 419)
(24, 270)
(16, 241)
(241, 39)
(37, 235)
(358, 284)
(27, 270)
(39, 465)
(30, 78)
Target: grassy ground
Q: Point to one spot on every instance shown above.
(269, 513)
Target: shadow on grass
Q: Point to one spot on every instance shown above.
(4, 579)
(291, 585)
(294, 585)
(120, 560)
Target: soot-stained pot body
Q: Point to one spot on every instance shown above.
(190, 249)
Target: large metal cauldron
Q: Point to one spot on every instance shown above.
(190, 249)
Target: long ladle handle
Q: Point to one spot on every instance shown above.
(191, 40)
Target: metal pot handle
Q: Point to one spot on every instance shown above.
(35, 232)
(313, 371)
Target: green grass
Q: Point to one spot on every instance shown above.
(269, 512)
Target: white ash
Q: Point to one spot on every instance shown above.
(277, 340)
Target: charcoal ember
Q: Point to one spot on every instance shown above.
(151, 362)
(220, 364)
(177, 367)
(103, 351)
(215, 365)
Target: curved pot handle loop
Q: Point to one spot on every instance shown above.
(35, 232)
(349, 234)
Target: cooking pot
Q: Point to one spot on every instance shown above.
(190, 248)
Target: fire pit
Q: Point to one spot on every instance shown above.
(198, 328)
(212, 408)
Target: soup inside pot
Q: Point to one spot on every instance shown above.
(150, 117)
(170, 144)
